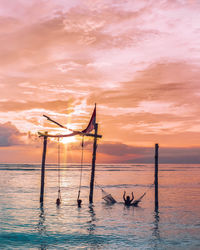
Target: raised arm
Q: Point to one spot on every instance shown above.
(132, 197)
(124, 195)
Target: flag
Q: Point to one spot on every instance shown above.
(92, 122)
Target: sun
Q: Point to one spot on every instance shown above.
(70, 139)
(67, 140)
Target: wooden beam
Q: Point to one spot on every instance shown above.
(51, 120)
(60, 125)
(93, 164)
(93, 135)
(156, 177)
(43, 168)
(60, 136)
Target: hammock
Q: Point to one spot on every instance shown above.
(110, 200)
(107, 197)
(136, 202)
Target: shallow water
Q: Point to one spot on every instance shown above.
(25, 225)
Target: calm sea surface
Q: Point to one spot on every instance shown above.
(24, 225)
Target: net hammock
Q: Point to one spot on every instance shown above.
(136, 202)
(107, 197)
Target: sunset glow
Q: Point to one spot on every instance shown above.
(138, 60)
(67, 140)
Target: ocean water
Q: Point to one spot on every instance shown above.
(26, 225)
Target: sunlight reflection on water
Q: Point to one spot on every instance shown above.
(26, 225)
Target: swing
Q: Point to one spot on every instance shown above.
(79, 201)
(58, 201)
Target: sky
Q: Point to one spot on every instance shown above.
(138, 60)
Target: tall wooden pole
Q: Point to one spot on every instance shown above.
(156, 176)
(43, 168)
(93, 163)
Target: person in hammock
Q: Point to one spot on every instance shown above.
(127, 199)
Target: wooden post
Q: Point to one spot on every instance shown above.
(156, 176)
(43, 167)
(93, 163)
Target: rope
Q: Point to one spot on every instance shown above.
(99, 186)
(149, 187)
(105, 193)
(58, 167)
(81, 173)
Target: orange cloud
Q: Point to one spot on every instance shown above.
(137, 60)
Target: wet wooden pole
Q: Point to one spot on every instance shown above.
(43, 167)
(156, 177)
(93, 163)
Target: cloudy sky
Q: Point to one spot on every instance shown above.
(138, 60)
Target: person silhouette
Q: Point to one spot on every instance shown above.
(79, 202)
(127, 199)
(58, 201)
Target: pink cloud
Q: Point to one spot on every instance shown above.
(139, 61)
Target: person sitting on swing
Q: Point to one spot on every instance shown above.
(79, 201)
(127, 199)
(58, 202)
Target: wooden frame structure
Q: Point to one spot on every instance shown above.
(95, 135)
(45, 137)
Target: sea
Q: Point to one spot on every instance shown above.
(26, 224)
